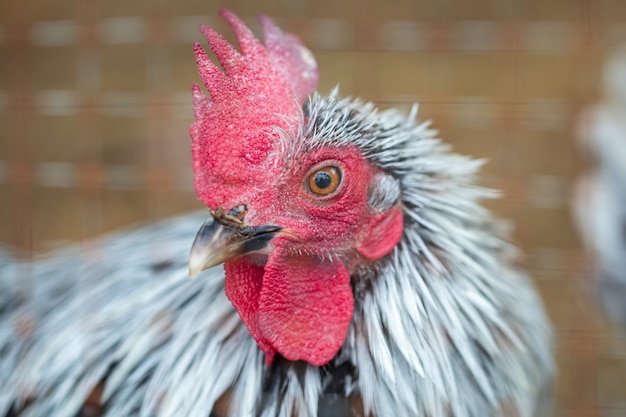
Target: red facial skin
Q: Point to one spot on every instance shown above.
(297, 301)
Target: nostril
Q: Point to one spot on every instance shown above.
(239, 211)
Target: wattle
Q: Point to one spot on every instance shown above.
(298, 306)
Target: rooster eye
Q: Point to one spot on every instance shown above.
(324, 181)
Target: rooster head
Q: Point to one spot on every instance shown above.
(291, 219)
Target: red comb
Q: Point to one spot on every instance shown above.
(256, 91)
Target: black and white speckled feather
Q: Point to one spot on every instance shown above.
(445, 325)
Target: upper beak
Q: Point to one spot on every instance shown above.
(223, 237)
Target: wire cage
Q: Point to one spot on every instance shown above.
(95, 106)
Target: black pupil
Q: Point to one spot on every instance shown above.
(322, 180)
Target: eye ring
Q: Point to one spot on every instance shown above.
(324, 181)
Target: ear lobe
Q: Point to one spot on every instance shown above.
(382, 234)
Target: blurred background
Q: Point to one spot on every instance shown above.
(95, 108)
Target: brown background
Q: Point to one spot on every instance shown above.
(95, 107)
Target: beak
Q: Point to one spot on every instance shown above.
(222, 237)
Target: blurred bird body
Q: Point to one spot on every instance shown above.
(600, 200)
(395, 289)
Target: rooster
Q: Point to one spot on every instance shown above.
(360, 275)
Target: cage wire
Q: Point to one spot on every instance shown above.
(95, 106)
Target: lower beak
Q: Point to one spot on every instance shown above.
(218, 241)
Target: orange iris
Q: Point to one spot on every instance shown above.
(324, 181)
